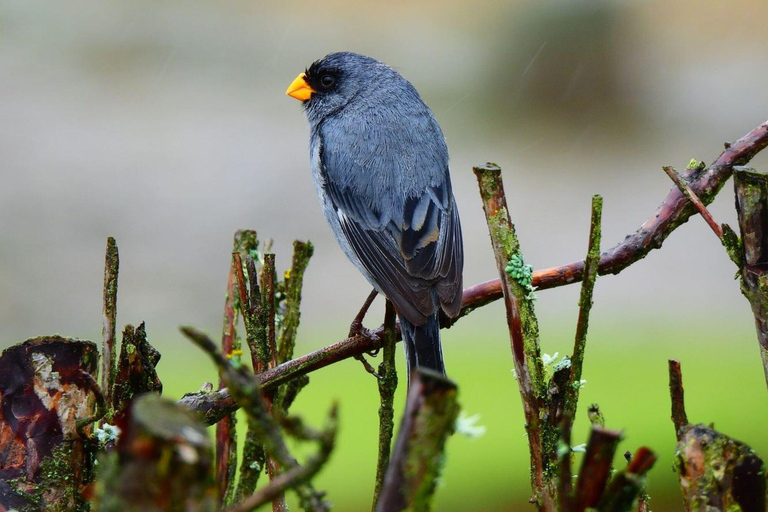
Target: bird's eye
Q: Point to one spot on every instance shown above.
(327, 81)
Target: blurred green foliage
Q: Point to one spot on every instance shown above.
(626, 370)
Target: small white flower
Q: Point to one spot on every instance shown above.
(579, 448)
(468, 427)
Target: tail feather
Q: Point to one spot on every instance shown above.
(422, 344)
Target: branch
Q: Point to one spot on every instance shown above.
(387, 383)
(679, 418)
(429, 418)
(683, 187)
(595, 468)
(108, 355)
(673, 212)
(297, 475)
(752, 207)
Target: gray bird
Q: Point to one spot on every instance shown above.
(380, 165)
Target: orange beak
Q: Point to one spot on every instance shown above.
(300, 89)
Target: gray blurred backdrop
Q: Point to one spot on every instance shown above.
(165, 125)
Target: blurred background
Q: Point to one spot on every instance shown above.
(165, 125)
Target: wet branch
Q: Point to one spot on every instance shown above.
(673, 212)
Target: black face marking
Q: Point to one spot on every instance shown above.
(322, 78)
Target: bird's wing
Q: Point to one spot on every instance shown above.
(409, 252)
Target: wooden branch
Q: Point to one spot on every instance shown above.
(136, 369)
(429, 419)
(571, 391)
(683, 187)
(297, 475)
(752, 207)
(387, 384)
(294, 280)
(226, 429)
(164, 461)
(627, 486)
(48, 400)
(595, 468)
(673, 212)
(679, 418)
(108, 329)
(738, 483)
(524, 338)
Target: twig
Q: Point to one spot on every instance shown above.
(752, 207)
(691, 196)
(675, 210)
(524, 338)
(297, 475)
(108, 354)
(585, 305)
(226, 434)
(595, 468)
(717, 472)
(387, 383)
(429, 418)
(628, 485)
(294, 280)
(679, 418)
(245, 387)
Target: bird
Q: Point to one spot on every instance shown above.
(379, 162)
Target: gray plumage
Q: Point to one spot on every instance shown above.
(380, 165)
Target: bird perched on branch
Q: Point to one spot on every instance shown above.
(380, 165)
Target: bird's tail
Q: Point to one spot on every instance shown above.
(422, 344)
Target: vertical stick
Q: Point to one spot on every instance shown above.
(752, 206)
(524, 338)
(679, 418)
(108, 354)
(387, 386)
(429, 418)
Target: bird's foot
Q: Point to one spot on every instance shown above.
(356, 327)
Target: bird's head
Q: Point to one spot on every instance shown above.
(332, 82)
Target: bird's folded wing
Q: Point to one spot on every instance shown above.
(410, 258)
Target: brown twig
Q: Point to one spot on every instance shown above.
(685, 189)
(673, 212)
(628, 485)
(751, 188)
(679, 418)
(387, 383)
(524, 339)
(108, 353)
(595, 468)
(297, 475)
(429, 418)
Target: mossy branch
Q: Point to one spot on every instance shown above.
(108, 330)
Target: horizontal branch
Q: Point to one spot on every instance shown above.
(674, 211)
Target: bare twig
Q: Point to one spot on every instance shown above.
(685, 189)
(428, 420)
(595, 468)
(524, 338)
(108, 354)
(673, 212)
(294, 280)
(297, 475)
(718, 472)
(752, 207)
(387, 383)
(585, 305)
(628, 485)
(679, 418)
